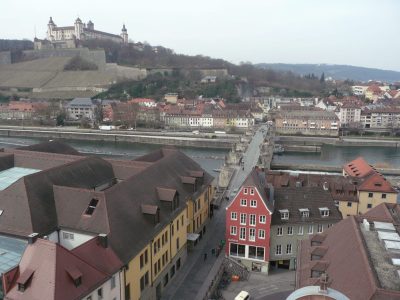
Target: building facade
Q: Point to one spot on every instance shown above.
(248, 219)
(82, 31)
(306, 122)
(299, 212)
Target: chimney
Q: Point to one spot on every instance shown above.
(32, 238)
(103, 240)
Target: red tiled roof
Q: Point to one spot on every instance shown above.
(376, 183)
(54, 269)
(358, 168)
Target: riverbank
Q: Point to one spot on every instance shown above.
(157, 138)
(340, 142)
(325, 168)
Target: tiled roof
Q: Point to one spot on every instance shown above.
(356, 262)
(51, 270)
(51, 147)
(358, 168)
(295, 199)
(376, 183)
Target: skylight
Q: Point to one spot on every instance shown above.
(9, 176)
(92, 206)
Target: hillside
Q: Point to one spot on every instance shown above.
(336, 71)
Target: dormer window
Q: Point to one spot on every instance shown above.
(284, 214)
(304, 212)
(324, 211)
(75, 274)
(92, 206)
(23, 280)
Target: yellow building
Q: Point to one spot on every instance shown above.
(372, 188)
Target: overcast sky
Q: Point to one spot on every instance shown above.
(354, 32)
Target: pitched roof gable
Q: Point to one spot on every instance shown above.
(358, 168)
(54, 268)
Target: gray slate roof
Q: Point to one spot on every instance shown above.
(295, 198)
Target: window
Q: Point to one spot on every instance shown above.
(304, 212)
(166, 279)
(279, 231)
(320, 228)
(252, 234)
(233, 230)
(127, 292)
(68, 236)
(370, 195)
(278, 250)
(300, 230)
(177, 243)
(369, 205)
(88, 298)
(251, 191)
(92, 206)
(329, 225)
(285, 215)
(289, 249)
(310, 229)
(233, 216)
(243, 202)
(290, 230)
(100, 293)
(349, 204)
(182, 220)
(261, 234)
(242, 233)
(172, 229)
(243, 219)
(253, 203)
(177, 225)
(112, 282)
(172, 271)
(252, 221)
(144, 281)
(324, 211)
(383, 197)
(245, 191)
(262, 219)
(237, 250)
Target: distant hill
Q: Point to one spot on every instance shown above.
(336, 71)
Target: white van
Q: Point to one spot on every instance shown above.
(243, 295)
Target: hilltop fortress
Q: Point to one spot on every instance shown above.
(69, 36)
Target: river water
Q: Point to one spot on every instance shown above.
(209, 159)
(337, 156)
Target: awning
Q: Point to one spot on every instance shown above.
(192, 236)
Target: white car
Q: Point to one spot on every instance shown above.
(243, 295)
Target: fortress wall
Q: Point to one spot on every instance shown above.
(5, 58)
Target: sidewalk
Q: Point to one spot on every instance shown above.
(190, 279)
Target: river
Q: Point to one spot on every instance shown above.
(208, 158)
(337, 156)
(211, 159)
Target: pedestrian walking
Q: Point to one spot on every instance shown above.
(205, 256)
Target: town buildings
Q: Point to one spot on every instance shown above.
(146, 211)
(306, 121)
(298, 213)
(80, 108)
(373, 188)
(248, 221)
(357, 257)
(380, 117)
(350, 114)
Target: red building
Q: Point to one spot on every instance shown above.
(248, 222)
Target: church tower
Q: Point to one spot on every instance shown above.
(50, 29)
(124, 34)
(78, 28)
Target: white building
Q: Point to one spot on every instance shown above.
(82, 31)
(359, 90)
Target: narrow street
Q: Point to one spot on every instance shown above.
(188, 281)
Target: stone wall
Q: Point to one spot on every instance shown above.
(5, 58)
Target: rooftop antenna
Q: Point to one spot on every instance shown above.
(34, 29)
